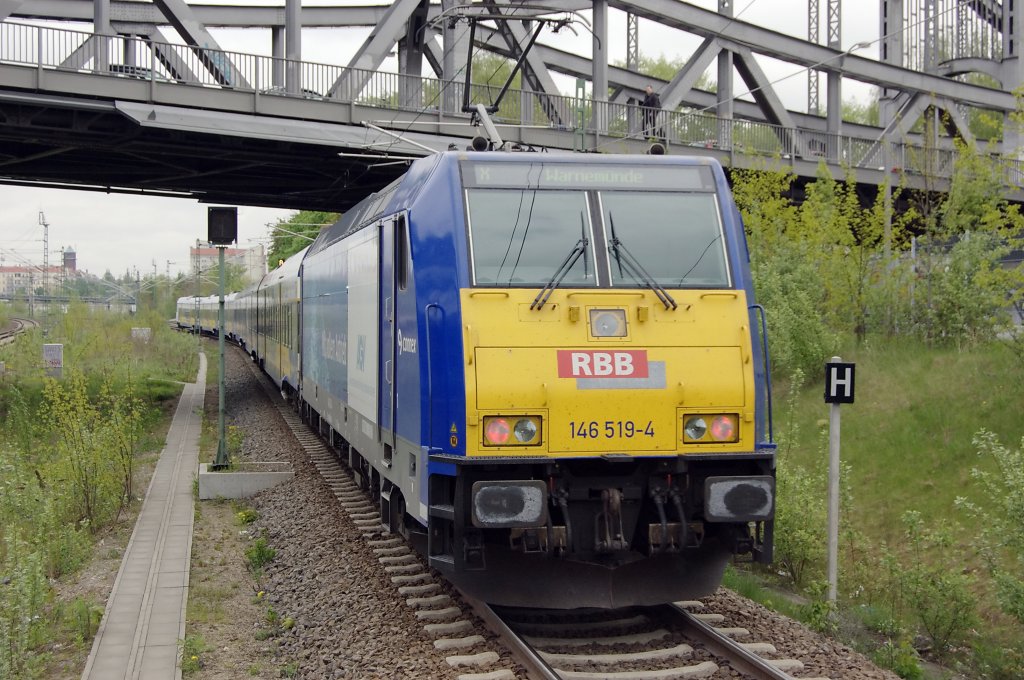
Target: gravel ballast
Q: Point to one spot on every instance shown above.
(350, 619)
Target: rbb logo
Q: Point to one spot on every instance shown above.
(595, 364)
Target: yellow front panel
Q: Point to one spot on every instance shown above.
(601, 395)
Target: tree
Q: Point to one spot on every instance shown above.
(865, 113)
(235, 278)
(666, 69)
(785, 270)
(289, 236)
(967, 292)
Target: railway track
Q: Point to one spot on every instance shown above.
(642, 643)
(14, 328)
(680, 640)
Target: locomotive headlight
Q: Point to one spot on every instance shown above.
(512, 430)
(724, 429)
(496, 431)
(717, 428)
(608, 323)
(525, 430)
(695, 429)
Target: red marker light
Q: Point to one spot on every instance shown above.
(498, 431)
(723, 429)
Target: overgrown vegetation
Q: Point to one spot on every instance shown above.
(925, 307)
(68, 455)
(289, 236)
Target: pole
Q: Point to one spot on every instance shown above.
(222, 450)
(195, 327)
(833, 498)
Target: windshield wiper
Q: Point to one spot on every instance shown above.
(626, 261)
(563, 269)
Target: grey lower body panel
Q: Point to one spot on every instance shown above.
(564, 583)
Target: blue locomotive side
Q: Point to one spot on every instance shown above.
(365, 315)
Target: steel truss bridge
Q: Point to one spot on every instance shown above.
(145, 101)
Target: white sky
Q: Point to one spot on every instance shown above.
(121, 233)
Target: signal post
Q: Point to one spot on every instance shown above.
(839, 383)
(222, 229)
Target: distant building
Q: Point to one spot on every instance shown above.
(23, 279)
(253, 260)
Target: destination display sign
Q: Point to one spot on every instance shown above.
(554, 175)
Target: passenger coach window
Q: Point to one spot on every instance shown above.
(521, 236)
(676, 237)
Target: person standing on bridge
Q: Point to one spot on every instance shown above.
(651, 106)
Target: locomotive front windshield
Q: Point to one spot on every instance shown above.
(580, 225)
(520, 237)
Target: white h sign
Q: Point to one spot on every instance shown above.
(839, 383)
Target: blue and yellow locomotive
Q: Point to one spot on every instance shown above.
(550, 371)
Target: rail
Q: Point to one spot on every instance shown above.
(168, 64)
(14, 328)
(536, 667)
(740, 658)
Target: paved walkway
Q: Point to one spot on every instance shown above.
(145, 615)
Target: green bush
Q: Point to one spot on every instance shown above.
(259, 554)
(787, 287)
(998, 662)
(929, 584)
(999, 518)
(22, 596)
(800, 522)
(192, 649)
(800, 509)
(84, 618)
(900, 658)
(67, 462)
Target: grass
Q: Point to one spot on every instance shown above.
(206, 601)
(907, 445)
(907, 439)
(753, 588)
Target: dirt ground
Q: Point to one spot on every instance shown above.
(225, 608)
(69, 650)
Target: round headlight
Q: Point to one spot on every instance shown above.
(498, 431)
(723, 429)
(608, 323)
(695, 428)
(525, 430)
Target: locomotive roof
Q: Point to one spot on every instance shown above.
(382, 202)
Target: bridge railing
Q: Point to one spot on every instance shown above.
(168, 63)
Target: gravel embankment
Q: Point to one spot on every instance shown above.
(349, 619)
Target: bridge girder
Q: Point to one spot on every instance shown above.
(707, 23)
(674, 13)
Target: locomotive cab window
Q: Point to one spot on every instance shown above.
(522, 237)
(677, 237)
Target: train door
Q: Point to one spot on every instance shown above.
(261, 323)
(279, 331)
(297, 329)
(387, 420)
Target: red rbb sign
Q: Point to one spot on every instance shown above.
(602, 364)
